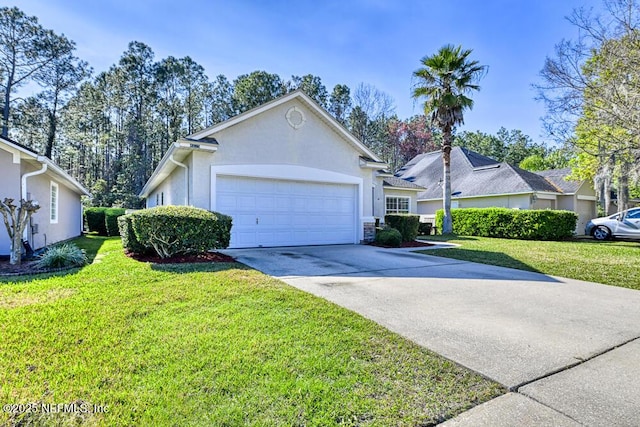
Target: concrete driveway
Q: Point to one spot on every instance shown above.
(567, 350)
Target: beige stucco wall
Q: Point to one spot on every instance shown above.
(544, 204)
(170, 191)
(517, 201)
(69, 222)
(10, 179)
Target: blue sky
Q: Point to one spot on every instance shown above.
(350, 41)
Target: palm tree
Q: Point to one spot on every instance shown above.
(444, 81)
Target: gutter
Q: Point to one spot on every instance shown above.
(24, 184)
(186, 178)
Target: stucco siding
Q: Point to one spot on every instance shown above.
(544, 204)
(200, 163)
(269, 139)
(517, 201)
(10, 178)
(69, 216)
(566, 203)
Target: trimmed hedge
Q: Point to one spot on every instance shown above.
(407, 225)
(95, 220)
(129, 240)
(111, 220)
(512, 223)
(173, 230)
(389, 237)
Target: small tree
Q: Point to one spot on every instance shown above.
(16, 219)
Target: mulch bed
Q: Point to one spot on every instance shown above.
(414, 244)
(26, 268)
(182, 259)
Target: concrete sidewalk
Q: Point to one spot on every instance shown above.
(553, 342)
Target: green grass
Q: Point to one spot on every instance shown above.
(612, 262)
(210, 344)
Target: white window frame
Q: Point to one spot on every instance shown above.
(397, 210)
(54, 189)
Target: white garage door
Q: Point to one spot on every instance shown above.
(269, 212)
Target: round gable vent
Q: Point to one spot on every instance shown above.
(295, 117)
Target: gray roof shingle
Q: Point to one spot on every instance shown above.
(392, 181)
(473, 174)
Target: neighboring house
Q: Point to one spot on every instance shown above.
(26, 175)
(479, 181)
(287, 172)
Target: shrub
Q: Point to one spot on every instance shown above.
(129, 240)
(111, 220)
(64, 255)
(407, 225)
(512, 223)
(95, 220)
(389, 237)
(173, 230)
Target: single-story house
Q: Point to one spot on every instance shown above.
(479, 181)
(286, 172)
(27, 175)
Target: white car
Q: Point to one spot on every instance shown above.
(625, 224)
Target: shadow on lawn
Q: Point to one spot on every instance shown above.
(482, 257)
(199, 267)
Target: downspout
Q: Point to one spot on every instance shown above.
(186, 178)
(24, 186)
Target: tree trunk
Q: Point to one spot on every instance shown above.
(51, 135)
(6, 110)
(623, 186)
(16, 249)
(447, 224)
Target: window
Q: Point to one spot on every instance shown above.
(397, 205)
(54, 203)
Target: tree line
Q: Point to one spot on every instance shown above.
(110, 130)
(591, 89)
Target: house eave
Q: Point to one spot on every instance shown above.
(495, 195)
(20, 153)
(417, 190)
(371, 164)
(165, 167)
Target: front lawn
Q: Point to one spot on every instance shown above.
(208, 344)
(613, 262)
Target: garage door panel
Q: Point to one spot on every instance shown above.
(287, 212)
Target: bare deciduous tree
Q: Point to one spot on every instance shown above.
(16, 219)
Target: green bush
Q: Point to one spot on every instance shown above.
(407, 225)
(389, 237)
(95, 220)
(129, 240)
(111, 220)
(173, 230)
(512, 223)
(64, 255)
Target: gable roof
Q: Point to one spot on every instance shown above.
(24, 153)
(181, 147)
(305, 99)
(475, 175)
